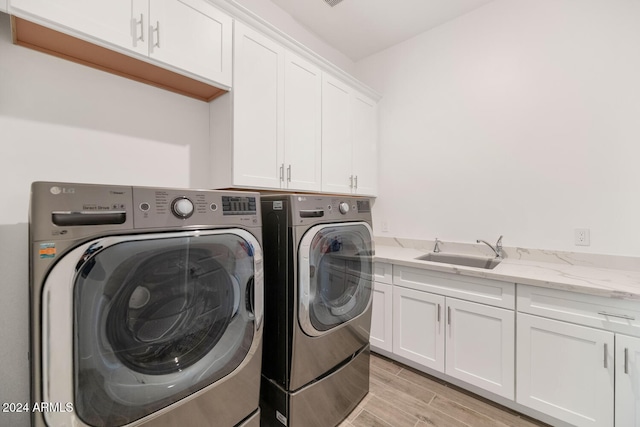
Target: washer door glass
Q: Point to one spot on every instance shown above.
(337, 281)
(158, 319)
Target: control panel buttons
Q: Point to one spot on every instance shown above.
(144, 207)
(213, 207)
(343, 207)
(182, 207)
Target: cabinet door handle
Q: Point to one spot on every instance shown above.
(449, 316)
(289, 173)
(356, 181)
(350, 181)
(134, 28)
(157, 31)
(626, 360)
(282, 172)
(620, 316)
(606, 360)
(438, 313)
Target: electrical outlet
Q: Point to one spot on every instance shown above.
(581, 237)
(384, 225)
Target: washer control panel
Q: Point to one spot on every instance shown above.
(168, 208)
(182, 207)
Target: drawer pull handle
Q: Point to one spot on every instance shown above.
(620, 316)
(626, 360)
(606, 360)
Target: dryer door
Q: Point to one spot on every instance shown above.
(335, 275)
(133, 324)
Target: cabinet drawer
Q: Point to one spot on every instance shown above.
(485, 291)
(382, 272)
(599, 312)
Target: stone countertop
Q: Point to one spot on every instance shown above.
(598, 281)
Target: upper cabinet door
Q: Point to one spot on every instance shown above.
(191, 35)
(302, 124)
(258, 138)
(122, 23)
(365, 143)
(337, 176)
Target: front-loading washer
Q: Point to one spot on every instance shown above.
(146, 306)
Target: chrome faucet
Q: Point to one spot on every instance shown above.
(498, 248)
(436, 248)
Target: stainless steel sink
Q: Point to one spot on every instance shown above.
(466, 260)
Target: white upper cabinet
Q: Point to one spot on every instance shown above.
(365, 144)
(123, 23)
(337, 176)
(276, 114)
(258, 137)
(191, 36)
(302, 124)
(349, 139)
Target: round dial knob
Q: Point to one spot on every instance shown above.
(182, 207)
(343, 207)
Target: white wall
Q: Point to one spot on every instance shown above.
(277, 17)
(521, 118)
(66, 122)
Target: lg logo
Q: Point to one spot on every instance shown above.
(58, 190)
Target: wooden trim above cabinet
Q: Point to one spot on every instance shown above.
(43, 39)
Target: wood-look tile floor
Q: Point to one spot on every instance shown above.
(402, 397)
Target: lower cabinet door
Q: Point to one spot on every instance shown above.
(627, 381)
(381, 317)
(480, 342)
(565, 370)
(418, 332)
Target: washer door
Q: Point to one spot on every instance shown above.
(149, 321)
(335, 270)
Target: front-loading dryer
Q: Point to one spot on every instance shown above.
(146, 306)
(318, 295)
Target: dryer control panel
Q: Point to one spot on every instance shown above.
(309, 209)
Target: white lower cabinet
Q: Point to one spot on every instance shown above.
(418, 327)
(579, 357)
(465, 340)
(381, 320)
(570, 358)
(480, 345)
(627, 407)
(566, 370)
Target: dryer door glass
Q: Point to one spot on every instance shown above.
(157, 319)
(339, 275)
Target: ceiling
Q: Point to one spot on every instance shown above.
(359, 28)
